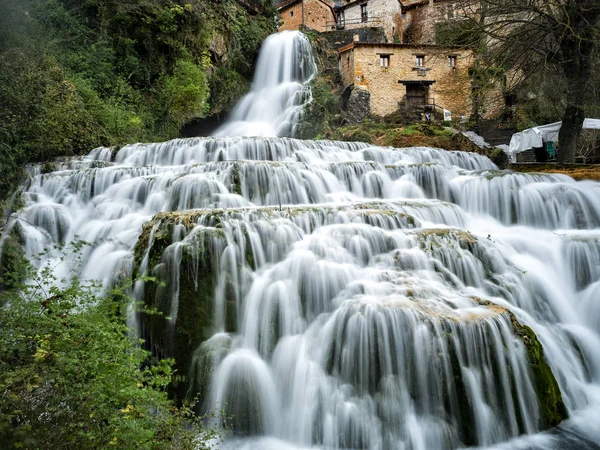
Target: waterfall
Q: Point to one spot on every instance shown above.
(339, 294)
(279, 90)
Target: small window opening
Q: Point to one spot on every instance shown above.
(420, 60)
(291, 13)
(364, 15)
(384, 60)
(452, 61)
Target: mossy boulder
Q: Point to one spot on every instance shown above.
(186, 275)
(553, 410)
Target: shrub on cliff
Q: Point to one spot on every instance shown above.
(71, 377)
(78, 74)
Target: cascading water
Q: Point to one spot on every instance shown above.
(343, 295)
(279, 91)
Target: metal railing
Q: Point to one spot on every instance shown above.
(342, 24)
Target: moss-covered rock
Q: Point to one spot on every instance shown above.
(204, 360)
(182, 284)
(553, 410)
(576, 171)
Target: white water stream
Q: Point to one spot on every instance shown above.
(358, 275)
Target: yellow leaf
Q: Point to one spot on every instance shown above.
(128, 409)
(40, 353)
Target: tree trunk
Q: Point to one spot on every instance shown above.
(568, 137)
(576, 35)
(577, 73)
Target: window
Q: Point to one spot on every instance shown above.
(420, 60)
(291, 13)
(452, 61)
(340, 19)
(384, 60)
(364, 15)
(403, 15)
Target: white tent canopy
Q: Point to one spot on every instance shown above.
(536, 136)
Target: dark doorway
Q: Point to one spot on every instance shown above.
(417, 94)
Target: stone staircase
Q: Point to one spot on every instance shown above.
(494, 134)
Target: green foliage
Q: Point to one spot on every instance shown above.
(360, 136)
(323, 113)
(71, 377)
(185, 93)
(76, 74)
(227, 86)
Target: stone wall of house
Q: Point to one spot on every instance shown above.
(420, 18)
(313, 14)
(318, 15)
(451, 88)
(347, 68)
(290, 17)
(381, 13)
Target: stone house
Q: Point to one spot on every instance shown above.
(442, 22)
(353, 14)
(430, 24)
(404, 21)
(382, 77)
(332, 15)
(317, 15)
(420, 19)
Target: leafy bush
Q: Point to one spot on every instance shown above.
(322, 111)
(71, 376)
(185, 93)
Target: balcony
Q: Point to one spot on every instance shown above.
(368, 21)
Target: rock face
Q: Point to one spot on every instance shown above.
(359, 105)
(553, 409)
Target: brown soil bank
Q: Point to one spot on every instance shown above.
(576, 171)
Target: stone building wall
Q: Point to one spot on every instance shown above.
(420, 17)
(313, 14)
(381, 13)
(290, 16)
(347, 68)
(341, 38)
(318, 15)
(449, 87)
